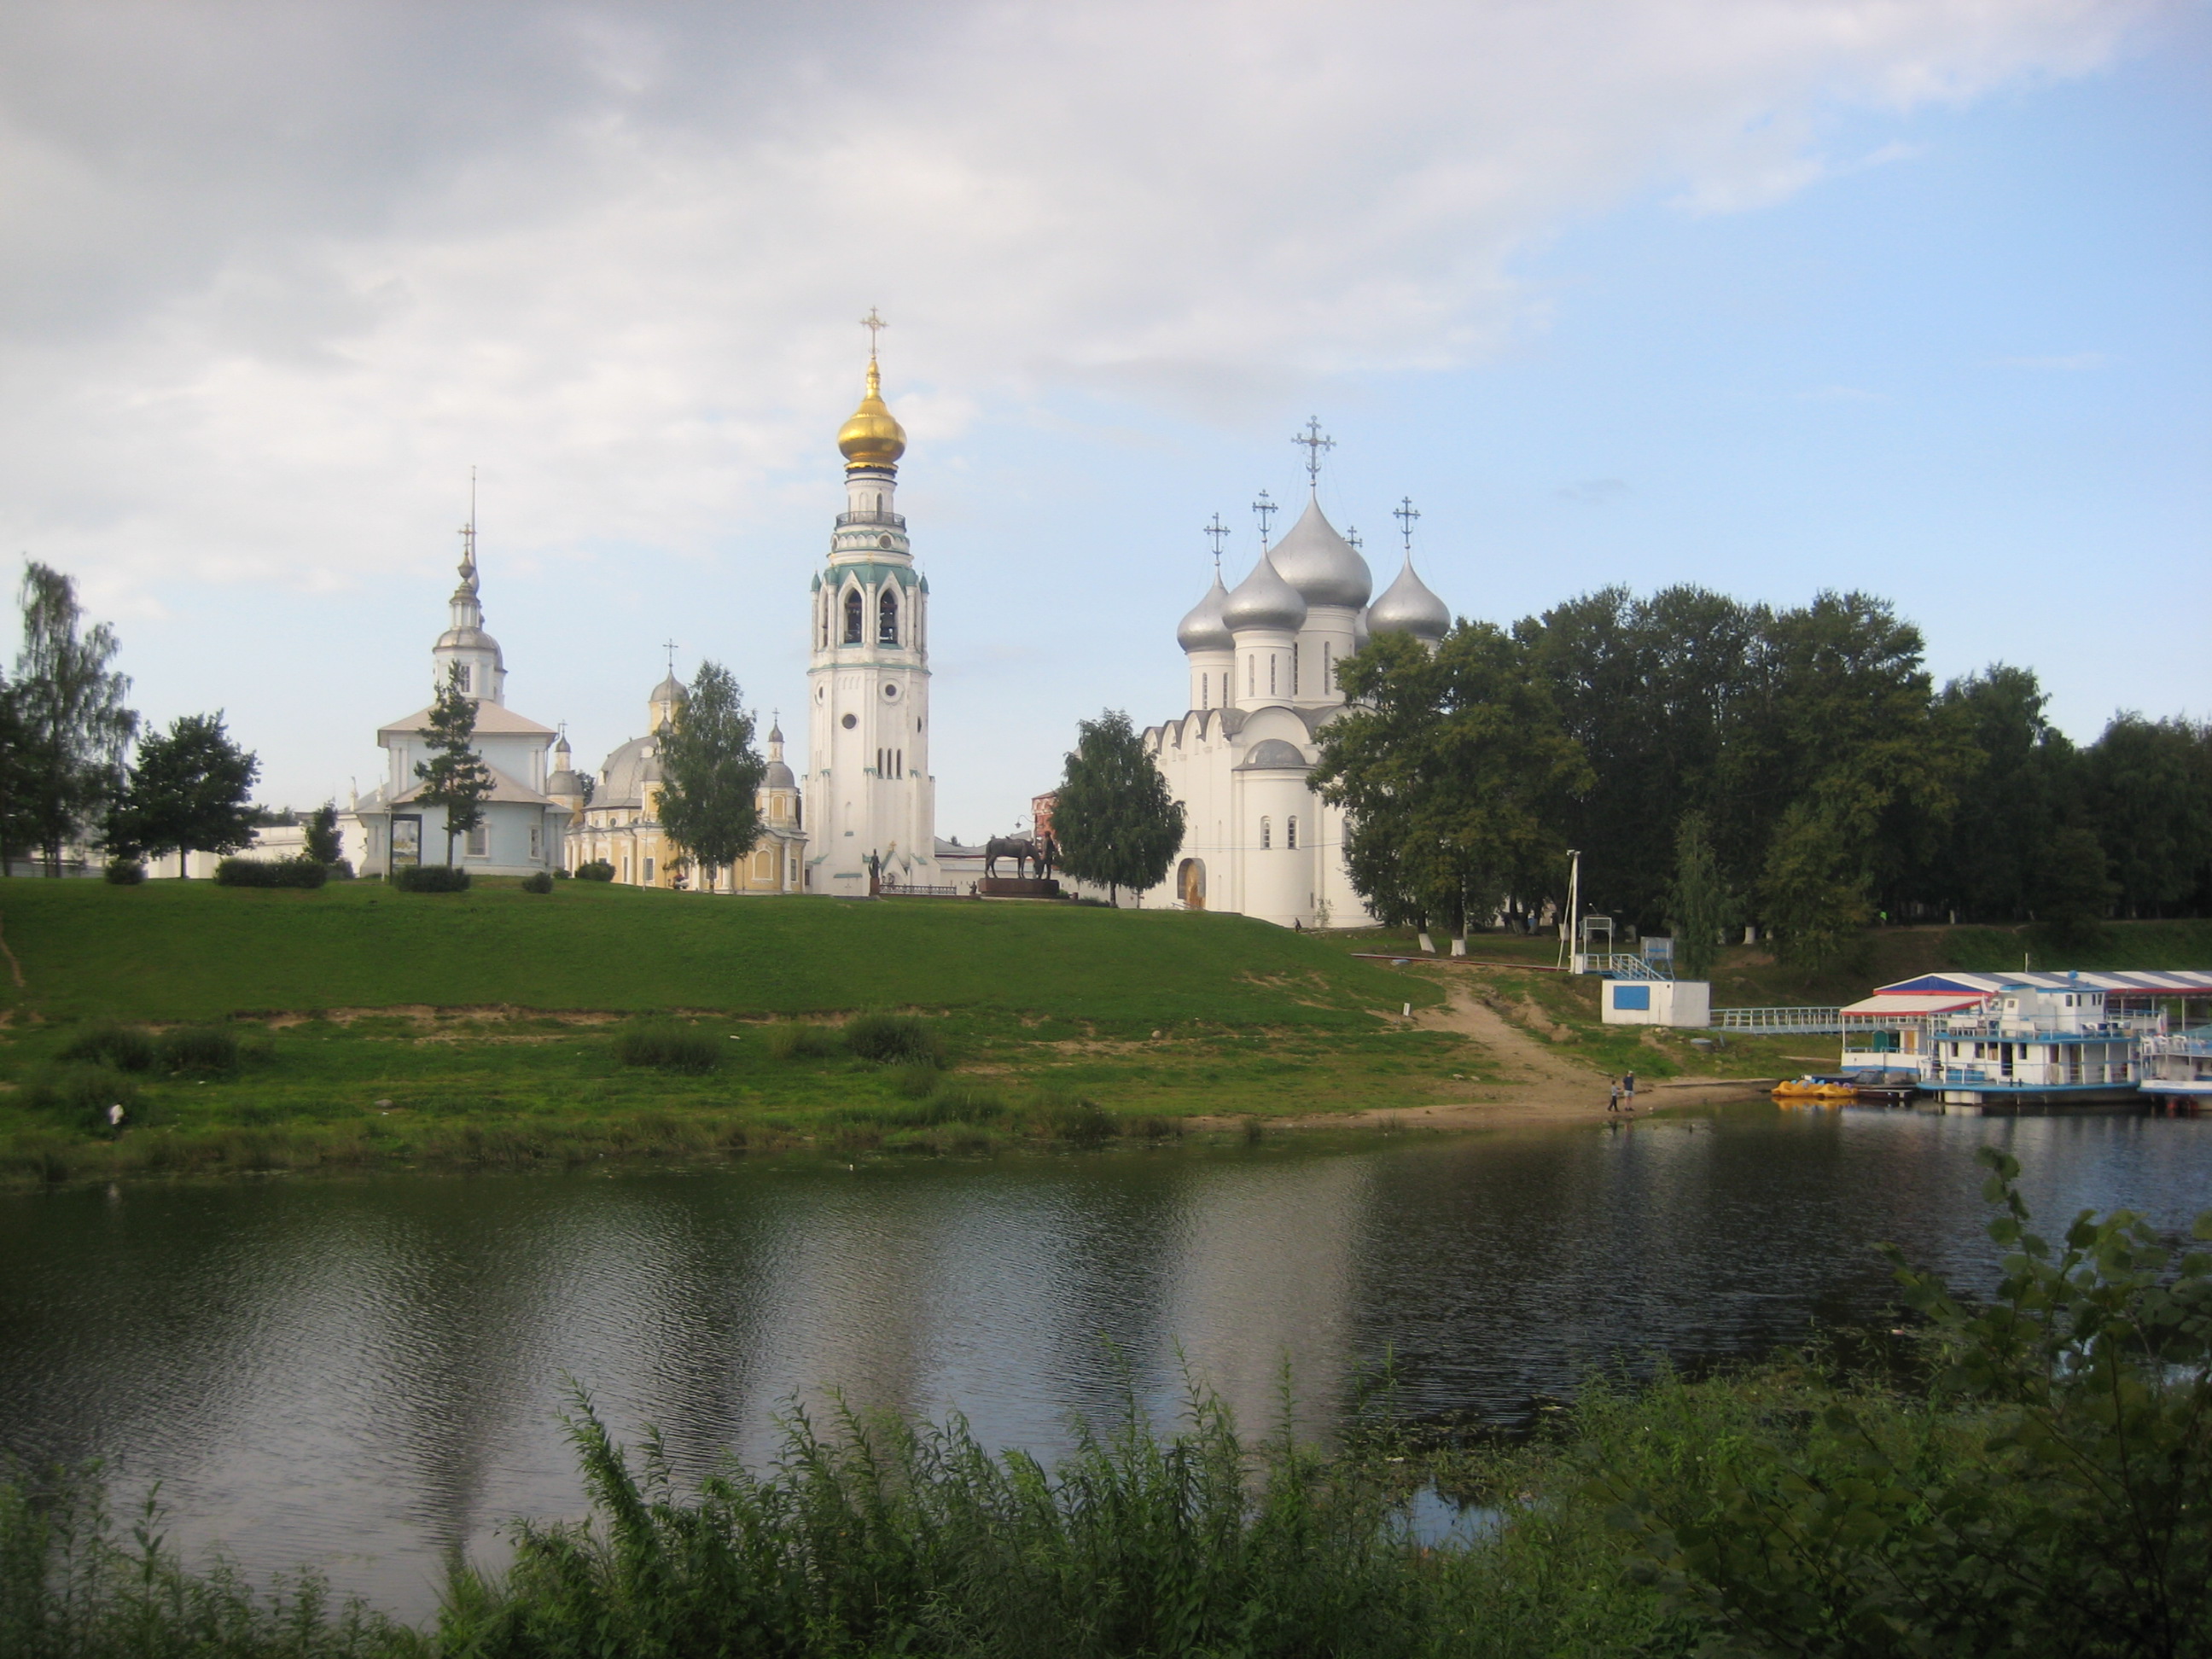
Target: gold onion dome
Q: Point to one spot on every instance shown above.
(872, 437)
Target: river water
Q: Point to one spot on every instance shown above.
(367, 1375)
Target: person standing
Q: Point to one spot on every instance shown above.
(1628, 1092)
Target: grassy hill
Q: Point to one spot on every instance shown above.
(375, 1027)
(179, 950)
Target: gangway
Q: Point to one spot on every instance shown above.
(1779, 1021)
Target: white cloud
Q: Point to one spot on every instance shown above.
(277, 270)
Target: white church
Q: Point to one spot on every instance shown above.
(1258, 839)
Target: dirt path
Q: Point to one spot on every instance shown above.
(1539, 1083)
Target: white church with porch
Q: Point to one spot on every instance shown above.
(1258, 839)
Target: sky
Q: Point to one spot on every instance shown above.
(1910, 296)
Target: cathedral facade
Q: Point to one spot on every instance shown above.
(1258, 839)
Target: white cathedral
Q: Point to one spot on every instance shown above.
(1262, 657)
(1257, 837)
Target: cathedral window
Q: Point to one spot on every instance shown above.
(1250, 669)
(479, 842)
(1271, 673)
(649, 872)
(537, 843)
(1291, 834)
(887, 618)
(1294, 668)
(853, 614)
(1267, 835)
(1327, 666)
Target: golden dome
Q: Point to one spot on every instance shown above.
(872, 437)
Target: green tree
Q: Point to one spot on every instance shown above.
(1701, 907)
(1453, 772)
(2071, 887)
(322, 842)
(190, 791)
(1114, 820)
(1815, 896)
(70, 728)
(2012, 796)
(455, 778)
(2147, 788)
(711, 773)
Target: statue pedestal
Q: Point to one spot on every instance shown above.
(1018, 887)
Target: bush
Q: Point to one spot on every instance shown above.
(199, 1049)
(431, 879)
(561, 875)
(1082, 1121)
(271, 872)
(125, 1047)
(340, 869)
(125, 873)
(795, 1040)
(82, 1095)
(597, 870)
(540, 882)
(893, 1039)
(668, 1047)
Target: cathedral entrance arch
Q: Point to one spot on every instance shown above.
(1190, 883)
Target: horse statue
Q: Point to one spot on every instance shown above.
(1020, 848)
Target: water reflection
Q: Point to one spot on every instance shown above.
(368, 1375)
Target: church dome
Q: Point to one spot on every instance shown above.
(1204, 629)
(778, 776)
(623, 777)
(564, 783)
(1408, 607)
(466, 639)
(1321, 564)
(872, 437)
(670, 689)
(1264, 599)
(1272, 755)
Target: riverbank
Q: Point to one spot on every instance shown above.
(1884, 1491)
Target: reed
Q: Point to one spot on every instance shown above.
(667, 1046)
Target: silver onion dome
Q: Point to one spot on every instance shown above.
(1203, 629)
(778, 776)
(1408, 607)
(1264, 600)
(1321, 564)
(671, 690)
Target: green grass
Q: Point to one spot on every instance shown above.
(176, 951)
(496, 1028)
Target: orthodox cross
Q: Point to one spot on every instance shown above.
(668, 646)
(1266, 510)
(1314, 443)
(469, 530)
(1351, 535)
(875, 326)
(1216, 529)
(1405, 512)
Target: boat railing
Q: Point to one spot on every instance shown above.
(2197, 1041)
(2052, 1030)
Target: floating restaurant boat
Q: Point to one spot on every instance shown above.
(1979, 1040)
(2176, 1067)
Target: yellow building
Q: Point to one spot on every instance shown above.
(616, 817)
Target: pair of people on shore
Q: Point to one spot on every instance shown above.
(1623, 1097)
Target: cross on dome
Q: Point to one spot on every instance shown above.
(1405, 512)
(1314, 443)
(875, 325)
(1216, 529)
(1265, 508)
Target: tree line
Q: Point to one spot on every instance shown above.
(1722, 764)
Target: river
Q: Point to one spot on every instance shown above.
(365, 1375)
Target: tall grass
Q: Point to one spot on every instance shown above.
(668, 1047)
(126, 1048)
(894, 1039)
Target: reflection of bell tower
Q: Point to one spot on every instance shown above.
(868, 791)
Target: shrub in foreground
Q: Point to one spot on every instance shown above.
(81, 1095)
(271, 873)
(430, 878)
(540, 881)
(199, 1049)
(894, 1040)
(595, 870)
(123, 873)
(126, 1048)
(667, 1046)
(797, 1040)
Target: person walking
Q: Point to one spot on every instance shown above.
(1612, 1099)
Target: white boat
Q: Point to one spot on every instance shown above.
(2177, 1066)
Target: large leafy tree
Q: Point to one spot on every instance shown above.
(2147, 789)
(455, 778)
(710, 772)
(2015, 791)
(68, 726)
(321, 841)
(190, 791)
(1813, 892)
(1701, 907)
(1453, 770)
(1114, 818)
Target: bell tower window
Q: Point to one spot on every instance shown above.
(463, 678)
(853, 616)
(887, 618)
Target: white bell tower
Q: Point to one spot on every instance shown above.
(870, 802)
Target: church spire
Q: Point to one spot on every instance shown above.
(872, 438)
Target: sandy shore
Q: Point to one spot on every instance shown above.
(1541, 1086)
